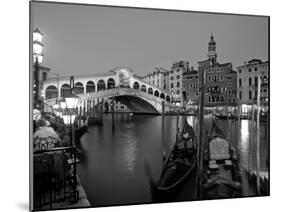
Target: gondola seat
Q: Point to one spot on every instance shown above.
(219, 149)
(213, 165)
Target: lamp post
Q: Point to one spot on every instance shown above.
(69, 105)
(37, 59)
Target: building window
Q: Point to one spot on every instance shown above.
(172, 85)
(178, 84)
(229, 84)
(256, 81)
(178, 77)
(240, 71)
(256, 94)
(209, 78)
(250, 70)
(256, 68)
(172, 78)
(250, 94)
(250, 81)
(240, 82)
(240, 95)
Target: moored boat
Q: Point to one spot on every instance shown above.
(221, 170)
(178, 167)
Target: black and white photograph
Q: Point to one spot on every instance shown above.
(132, 105)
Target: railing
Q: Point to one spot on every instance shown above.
(55, 179)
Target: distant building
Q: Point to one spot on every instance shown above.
(190, 87)
(175, 79)
(220, 79)
(247, 82)
(157, 78)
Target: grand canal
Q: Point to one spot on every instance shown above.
(112, 164)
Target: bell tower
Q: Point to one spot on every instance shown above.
(212, 55)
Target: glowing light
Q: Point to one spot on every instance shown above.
(37, 47)
(71, 102)
(67, 119)
(37, 35)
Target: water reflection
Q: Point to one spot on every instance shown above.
(113, 172)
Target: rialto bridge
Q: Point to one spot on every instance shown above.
(120, 84)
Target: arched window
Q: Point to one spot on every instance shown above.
(150, 91)
(110, 83)
(156, 93)
(101, 85)
(78, 88)
(90, 87)
(172, 85)
(136, 85)
(178, 84)
(65, 90)
(210, 99)
(143, 88)
(44, 76)
(168, 98)
(221, 98)
(162, 96)
(51, 92)
(184, 95)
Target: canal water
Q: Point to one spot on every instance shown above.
(112, 165)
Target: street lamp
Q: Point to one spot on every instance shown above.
(37, 59)
(69, 105)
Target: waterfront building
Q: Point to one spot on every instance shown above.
(157, 78)
(220, 79)
(190, 87)
(175, 79)
(247, 83)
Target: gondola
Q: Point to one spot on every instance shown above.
(178, 167)
(222, 177)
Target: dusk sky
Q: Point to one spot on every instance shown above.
(81, 39)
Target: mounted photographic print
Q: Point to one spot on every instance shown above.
(137, 106)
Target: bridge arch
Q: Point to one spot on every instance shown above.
(162, 96)
(65, 90)
(156, 93)
(90, 87)
(110, 83)
(101, 85)
(136, 85)
(150, 91)
(78, 88)
(51, 92)
(168, 99)
(143, 88)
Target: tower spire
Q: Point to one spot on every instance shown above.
(212, 55)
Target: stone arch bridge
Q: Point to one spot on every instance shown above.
(121, 84)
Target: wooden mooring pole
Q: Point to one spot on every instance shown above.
(252, 140)
(201, 143)
(163, 131)
(113, 114)
(258, 135)
(177, 127)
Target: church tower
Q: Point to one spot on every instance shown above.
(212, 55)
